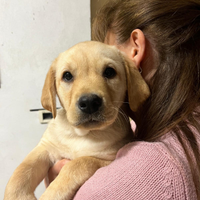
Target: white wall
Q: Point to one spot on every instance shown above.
(32, 34)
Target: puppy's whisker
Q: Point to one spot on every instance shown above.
(123, 102)
(121, 113)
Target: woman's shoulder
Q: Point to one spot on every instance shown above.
(143, 170)
(163, 164)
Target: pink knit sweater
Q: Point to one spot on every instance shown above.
(143, 171)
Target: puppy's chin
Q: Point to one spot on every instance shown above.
(94, 125)
(84, 129)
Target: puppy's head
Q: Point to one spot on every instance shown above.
(91, 80)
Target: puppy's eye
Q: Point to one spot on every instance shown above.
(109, 73)
(67, 76)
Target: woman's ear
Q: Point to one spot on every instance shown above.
(48, 99)
(137, 42)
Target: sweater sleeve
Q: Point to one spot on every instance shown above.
(140, 171)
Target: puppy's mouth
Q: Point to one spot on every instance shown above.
(91, 121)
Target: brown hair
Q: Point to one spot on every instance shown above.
(173, 29)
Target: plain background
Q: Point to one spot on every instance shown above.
(32, 34)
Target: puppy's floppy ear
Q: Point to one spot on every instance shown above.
(48, 99)
(138, 90)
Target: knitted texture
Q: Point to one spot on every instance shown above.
(143, 171)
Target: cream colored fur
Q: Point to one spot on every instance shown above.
(92, 140)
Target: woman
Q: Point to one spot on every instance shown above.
(162, 38)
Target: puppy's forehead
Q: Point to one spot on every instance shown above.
(91, 51)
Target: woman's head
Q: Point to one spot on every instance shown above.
(172, 32)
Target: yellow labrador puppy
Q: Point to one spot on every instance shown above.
(91, 81)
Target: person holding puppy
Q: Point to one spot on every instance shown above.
(162, 38)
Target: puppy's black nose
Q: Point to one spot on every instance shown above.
(90, 103)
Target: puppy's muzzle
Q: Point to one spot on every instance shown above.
(90, 103)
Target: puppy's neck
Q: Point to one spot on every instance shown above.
(81, 132)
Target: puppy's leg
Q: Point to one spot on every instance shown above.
(72, 177)
(28, 175)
